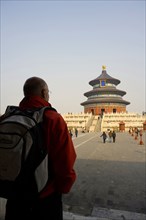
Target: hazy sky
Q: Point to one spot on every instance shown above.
(66, 43)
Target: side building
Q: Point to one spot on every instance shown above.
(86, 122)
(123, 121)
(81, 121)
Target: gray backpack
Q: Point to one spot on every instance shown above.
(23, 156)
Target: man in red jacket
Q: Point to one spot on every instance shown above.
(61, 154)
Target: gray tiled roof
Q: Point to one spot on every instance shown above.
(106, 77)
(105, 90)
(97, 100)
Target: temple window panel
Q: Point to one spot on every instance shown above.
(102, 83)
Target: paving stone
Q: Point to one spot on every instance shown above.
(114, 214)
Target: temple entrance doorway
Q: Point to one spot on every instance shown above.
(92, 111)
(102, 111)
(114, 110)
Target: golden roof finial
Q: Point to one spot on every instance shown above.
(103, 67)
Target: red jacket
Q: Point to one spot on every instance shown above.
(60, 147)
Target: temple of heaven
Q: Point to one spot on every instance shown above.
(104, 97)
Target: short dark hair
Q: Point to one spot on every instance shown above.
(33, 86)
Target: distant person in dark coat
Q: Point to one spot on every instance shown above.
(104, 136)
(110, 136)
(114, 136)
(76, 132)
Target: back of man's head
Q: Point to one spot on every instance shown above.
(36, 86)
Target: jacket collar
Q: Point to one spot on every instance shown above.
(33, 102)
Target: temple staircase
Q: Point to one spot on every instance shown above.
(96, 124)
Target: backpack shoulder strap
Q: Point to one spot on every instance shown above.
(49, 108)
(9, 111)
(38, 113)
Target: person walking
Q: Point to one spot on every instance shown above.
(76, 132)
(104, 136)
(110, 136)
(61, 154)
(114, 136)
